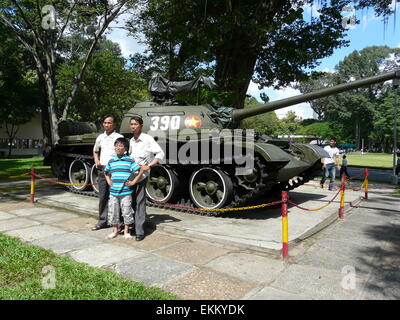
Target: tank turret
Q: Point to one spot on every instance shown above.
(209, 161)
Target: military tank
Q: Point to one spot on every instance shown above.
(210, 162)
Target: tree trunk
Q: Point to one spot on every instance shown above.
(235, 65)
(9, 147)
(11, 136)
(46, 129)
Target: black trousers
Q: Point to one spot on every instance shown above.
(104, 195)
(139, 205)
(344, 170)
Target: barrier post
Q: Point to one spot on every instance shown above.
(32, 197)
(342, 188)
(285, 230)
(366, 182)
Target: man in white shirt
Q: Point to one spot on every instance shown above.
(147, 153)
(330, 163)
(103, 151)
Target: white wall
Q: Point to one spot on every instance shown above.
(30, 130)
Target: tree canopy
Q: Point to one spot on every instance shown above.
(365, 112)
(42, 27)
(268, 42)
(18, 85)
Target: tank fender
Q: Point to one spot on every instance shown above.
(312, 152)
(268, 151)
(271, 152)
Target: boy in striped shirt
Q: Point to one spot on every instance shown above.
(117, 172)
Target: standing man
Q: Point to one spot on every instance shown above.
(330, 163)
(147, 153)
(103, 151)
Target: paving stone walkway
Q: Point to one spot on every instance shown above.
(357, 258)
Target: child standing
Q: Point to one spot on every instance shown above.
(117, 172)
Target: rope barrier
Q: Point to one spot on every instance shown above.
(317, 209)
(284, 202)
(221, 209)
(20, 175)
(64, 183)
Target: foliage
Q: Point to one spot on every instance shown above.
(322, 130)
(267, 123)
(268, 42)
(361, 113)
(18, 86)
(108, 86)
(42, 31)
(384, 113)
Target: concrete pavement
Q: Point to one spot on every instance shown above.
(198, 257)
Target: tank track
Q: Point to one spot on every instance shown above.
(302, 179)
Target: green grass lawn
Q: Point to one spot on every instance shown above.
(21, 277)
(16, 167)
(370, 160)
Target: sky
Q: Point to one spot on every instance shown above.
(370, 32)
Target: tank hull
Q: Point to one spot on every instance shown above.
(208, 176)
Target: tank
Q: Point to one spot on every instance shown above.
(210, 162)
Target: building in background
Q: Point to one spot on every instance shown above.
(27, 143)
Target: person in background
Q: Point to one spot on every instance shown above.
(103, 151)
(330, 164)
(147, 153)
(343, 168)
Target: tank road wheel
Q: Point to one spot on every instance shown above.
(59, 166)
(79, 175)
(250, 180)
(210, 188)
(162, 184)
(94, 176)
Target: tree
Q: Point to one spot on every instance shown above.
(290, 124)
(383, 122)
(355, 113)
(237, 41)
(35, 26)
(267, 123)
(18, 86)
(322, 130)
(109, 87)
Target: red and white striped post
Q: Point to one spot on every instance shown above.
(366, 182)
(32, 197)
(285, 231)
(342, 188)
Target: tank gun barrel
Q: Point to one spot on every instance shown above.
(240, 114)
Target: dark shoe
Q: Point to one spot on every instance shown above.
(322, 186)
(139, 237)
(95, 228)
